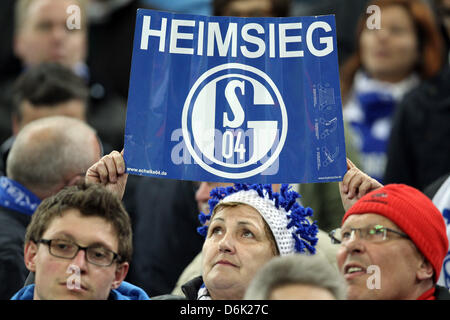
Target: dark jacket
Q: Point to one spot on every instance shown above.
(165, 238)
(190, 290)
(431, 190)
(442, 293)
(419, 150)
(12, 267)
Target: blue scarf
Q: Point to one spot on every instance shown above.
(370, 112)
(16, 197)
(375, 106)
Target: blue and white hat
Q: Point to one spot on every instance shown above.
(287, 219)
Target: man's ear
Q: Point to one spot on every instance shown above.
(425, 270)
(30, 253)
(121, 273)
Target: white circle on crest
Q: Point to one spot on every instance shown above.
(187, 139)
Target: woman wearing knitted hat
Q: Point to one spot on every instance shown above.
(251, 224)
(393, 243)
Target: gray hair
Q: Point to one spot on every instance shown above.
(296, 269)
(49, 150)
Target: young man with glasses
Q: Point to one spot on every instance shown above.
(398, 231)
(79, 244)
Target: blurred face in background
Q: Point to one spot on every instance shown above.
(202, 194)
(45, 37)
(73, 108)
(390, 53)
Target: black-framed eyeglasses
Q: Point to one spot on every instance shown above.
(375, 233)
(95, 254)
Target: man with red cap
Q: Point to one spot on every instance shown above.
(393, 243)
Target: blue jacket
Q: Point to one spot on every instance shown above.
(126, 291)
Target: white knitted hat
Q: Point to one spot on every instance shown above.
(292, 231)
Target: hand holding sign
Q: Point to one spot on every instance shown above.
(355, 185)
(110, 172)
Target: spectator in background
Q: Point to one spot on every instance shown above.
(346, 14)
(41, 33)
(252, 8)
(47, 155)
(57, 31)
(111, 34)
(297, 277)
(419, 150)
(389, 62)
(47, 89)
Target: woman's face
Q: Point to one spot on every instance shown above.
(391, 52)
(236, 247)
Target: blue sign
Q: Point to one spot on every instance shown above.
(230, 99)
